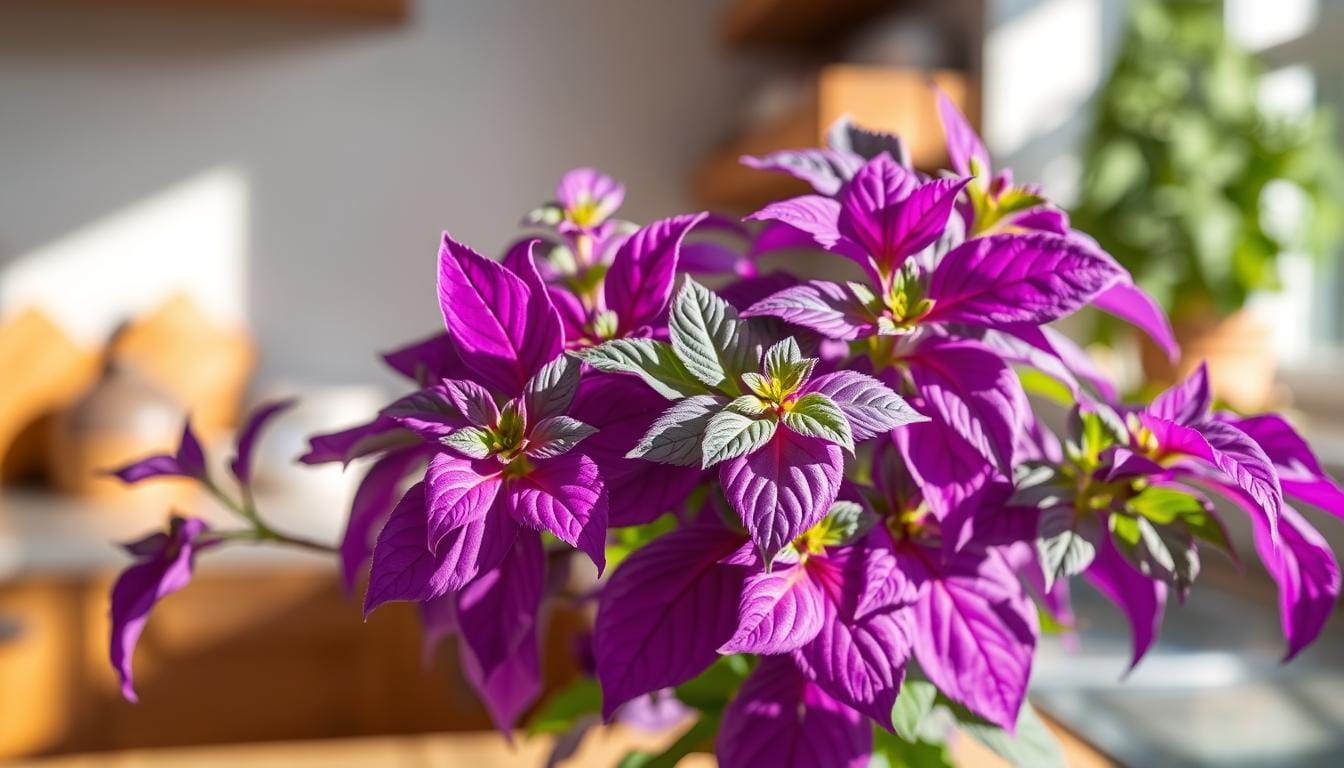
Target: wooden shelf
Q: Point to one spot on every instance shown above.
(882, 98)
(797, 23)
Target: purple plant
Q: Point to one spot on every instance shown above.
(830, 507)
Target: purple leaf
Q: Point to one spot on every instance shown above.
(871, 407)
(816, 217)
(457, 492)
(978, 631)
(497, 615)
(963, 143)
(824, 169)
(859, 656)
(472, 401)
(780, 612)
(165, 567)
(782, 720)
(566, 497)
(827, 308)
(430, 413)
(1131, 304)
(639, 491)
(1188, 403)
(1008, 279)
(973, 392)
(1307, 574)
(404, 568)
(665, 613)
(242, 459)
(429, 359)
(1139, 597)
(374, 500)
(189, 461)
(783, 488)
(349, 444)
(503, 331)
(1245, 464)
(638, 285)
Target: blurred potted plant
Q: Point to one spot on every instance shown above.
(1186, 179)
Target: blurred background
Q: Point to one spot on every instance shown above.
(206, 203)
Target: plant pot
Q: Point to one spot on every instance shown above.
(1239, 351)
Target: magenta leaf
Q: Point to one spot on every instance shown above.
(1188, 402)
(1300, 472)
(978, 631)
(638, 285)
(783, 488)
(497, 616)
(780, 612)
(974, 393)
(566, 497)
(782, 720)
(457, 492)
(1017, 278)
(1307, 574)
(1129, 303)
(503, 331)
(404, 568)
(815, 216)
(859, 656)
(892, 219)
(963, 144)
(665, 613)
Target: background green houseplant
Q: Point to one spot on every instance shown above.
(1184, 165)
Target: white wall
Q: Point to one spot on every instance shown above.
(356, 144)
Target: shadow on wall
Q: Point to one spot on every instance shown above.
(358, 143)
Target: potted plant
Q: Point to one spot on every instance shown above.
(825, 514)
(1198, 189)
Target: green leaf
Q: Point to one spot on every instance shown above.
(556, 435)
(711, 690)
(748, 405)
(891, 751)
(729, 435)
(1034, 745)
(843, 523)
(758, 384)
(715, 346)
(651, 360)
(1063, 549)
(675, 436)
(700, 738)
(472, 442)
(1163, 552)
(780, 356)
(912, 705)
(567, 706)
(550, 392)
(624, 541)
(816, 415)
(1046, 386)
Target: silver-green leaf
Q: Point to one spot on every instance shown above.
(550, 392)
(816, 415)
(556, 435)
(472, 442)
(729, 435)
(651, 360)
(675, 436)
(715, 346)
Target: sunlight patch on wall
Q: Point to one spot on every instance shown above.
(191, 238)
